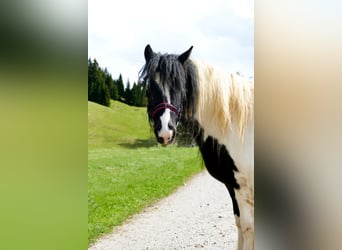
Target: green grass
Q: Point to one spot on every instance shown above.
(118, 125)
(127, 171)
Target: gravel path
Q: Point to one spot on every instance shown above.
(199, 215)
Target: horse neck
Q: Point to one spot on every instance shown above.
(223, 98)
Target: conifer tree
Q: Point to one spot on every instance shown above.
(135, 95)
(128, 94)
(120, 87)
(97, 89)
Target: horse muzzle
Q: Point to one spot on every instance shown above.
(166, 136)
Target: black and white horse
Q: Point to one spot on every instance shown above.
(219, 107)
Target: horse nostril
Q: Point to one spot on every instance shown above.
(163, 140)
(160, 139)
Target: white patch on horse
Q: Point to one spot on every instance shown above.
(165, 132)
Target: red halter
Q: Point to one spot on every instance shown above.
(164, 105)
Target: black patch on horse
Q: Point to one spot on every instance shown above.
(219, 164)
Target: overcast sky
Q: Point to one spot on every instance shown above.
(221, 31)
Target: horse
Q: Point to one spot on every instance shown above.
(218, 109)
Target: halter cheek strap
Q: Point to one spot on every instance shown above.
(164, 105)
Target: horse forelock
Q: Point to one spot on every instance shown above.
(167, 66)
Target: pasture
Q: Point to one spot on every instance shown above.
(127, 171)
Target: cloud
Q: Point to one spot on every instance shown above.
(220, 30)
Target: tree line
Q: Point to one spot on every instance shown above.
(102, 87)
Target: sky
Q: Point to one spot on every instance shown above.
(221, 31)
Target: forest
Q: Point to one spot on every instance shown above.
(102, 87)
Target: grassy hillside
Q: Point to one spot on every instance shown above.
(119, 124)
(127, 171)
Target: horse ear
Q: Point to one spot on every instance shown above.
(148, 53)
(183, 57)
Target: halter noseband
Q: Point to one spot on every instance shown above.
(164, 105)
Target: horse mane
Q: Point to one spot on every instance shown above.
(223, 97)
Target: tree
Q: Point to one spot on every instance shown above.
(113, 90)
(98, 91)
(128, 94)
(135, 94)
(120, 87)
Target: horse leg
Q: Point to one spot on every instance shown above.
(245, 222)
(238, 225)
(236, 214)
(243, 207)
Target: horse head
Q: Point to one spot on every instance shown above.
(166, 79)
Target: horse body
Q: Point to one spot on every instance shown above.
(220, 108)
(235, 136)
